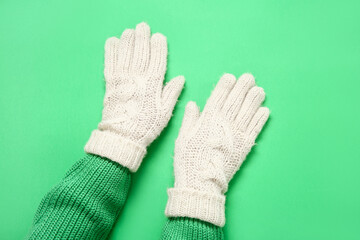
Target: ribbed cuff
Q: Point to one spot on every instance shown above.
(184, 202)
(186, 228)
(116, 148)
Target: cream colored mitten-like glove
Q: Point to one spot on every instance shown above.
(136, 104)
(212, 145)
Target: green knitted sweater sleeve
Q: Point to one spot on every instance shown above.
(183, 228)
(85, 204)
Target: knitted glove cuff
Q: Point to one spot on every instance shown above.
(116, 148)
(185, 202)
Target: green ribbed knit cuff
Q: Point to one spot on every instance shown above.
(189, 228)
(85, 204)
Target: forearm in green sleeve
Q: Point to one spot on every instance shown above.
(85, 204)
(185, 228)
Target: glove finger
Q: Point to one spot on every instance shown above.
(158, 57)
(221, 92)
(126, 50)
(252, 102)
(142, 48)
(171, 92)
(236, 97)
(257, 123)
(112, 46)
(191, 115)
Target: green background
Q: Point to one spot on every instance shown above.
(302, 180)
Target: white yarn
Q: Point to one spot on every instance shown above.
(212, 145)
(136, 105)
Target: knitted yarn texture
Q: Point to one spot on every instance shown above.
(190, 229)
(86, 202)
(212, 145)
(136, 104)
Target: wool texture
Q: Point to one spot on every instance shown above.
(85, 204)
(211, 147)
(183, 228)
(136, 104)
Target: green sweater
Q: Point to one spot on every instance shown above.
(88, 200)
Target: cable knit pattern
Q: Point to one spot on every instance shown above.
(211, 147)
(136, 105)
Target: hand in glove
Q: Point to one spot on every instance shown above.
(211, 147)
(136, 104)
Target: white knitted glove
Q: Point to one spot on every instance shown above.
(211, 147)
(136, 105)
